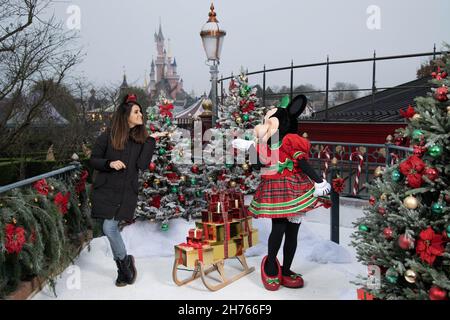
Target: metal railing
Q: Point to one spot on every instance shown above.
(346, 164)
(63, 174)
(322, 153)
(327, 65)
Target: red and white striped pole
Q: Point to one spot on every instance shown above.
(357, 154)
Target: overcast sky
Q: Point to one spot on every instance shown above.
(118, 33)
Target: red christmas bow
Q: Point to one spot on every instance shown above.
(413, 168)
(430, 245)
(164, 110)
(41, 187)
(81, 185)
(131, 98)
(338, 185)
(156, 201)
(249, 108)
(409, 113)
(62, 202)
(15, 238)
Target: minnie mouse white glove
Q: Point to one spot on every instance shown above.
(321, 189)
(242, 144)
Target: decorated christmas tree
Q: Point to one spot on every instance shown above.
(172, 186)
(404, 235)
(239, 114)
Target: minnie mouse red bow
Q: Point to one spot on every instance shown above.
(131, 98)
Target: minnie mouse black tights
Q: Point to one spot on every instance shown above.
(280, 227)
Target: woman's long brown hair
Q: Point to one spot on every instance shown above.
(120, 130)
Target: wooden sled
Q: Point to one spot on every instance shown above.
(200, 271)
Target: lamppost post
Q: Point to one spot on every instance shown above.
(214, 70)
(212, 38)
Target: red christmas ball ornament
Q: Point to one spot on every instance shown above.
(441, 94)
(243, 187)
(437, 293)
(152, 166)
(406, 242)
(388, 232)
(169, 167)
(382, 210)
(399, 141)
(372, 200)
(447, 198)
(419, 151)
(431, 173)
(194, 169)
(152, 128)
(181, 198)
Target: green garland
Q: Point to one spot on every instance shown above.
(51, 236)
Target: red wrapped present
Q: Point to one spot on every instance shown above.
(363, 294)
(195, 234)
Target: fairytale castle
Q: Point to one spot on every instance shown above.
(163, 72)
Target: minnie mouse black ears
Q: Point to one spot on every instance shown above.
(297, 106)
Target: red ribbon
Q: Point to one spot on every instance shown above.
(247, 229)
(205, 228)
(198, 246)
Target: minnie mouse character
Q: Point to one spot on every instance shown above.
(289, 187)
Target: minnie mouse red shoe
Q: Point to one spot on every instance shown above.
(270, 283)
(294, 280)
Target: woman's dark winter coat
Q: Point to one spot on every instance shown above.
(115, 192)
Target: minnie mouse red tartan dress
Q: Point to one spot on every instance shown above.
(285, 191)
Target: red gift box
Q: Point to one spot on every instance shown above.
(364, 295)
(195, 234)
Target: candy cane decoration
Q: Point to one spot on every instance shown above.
(394, 156)
(358, 173)
(326, 152)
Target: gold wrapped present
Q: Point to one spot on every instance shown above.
(188, 254)
(216, 231)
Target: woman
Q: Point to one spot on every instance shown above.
(118, 154)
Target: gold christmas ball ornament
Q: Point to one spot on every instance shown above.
(334, 161)
(238, 120)
(157, 181)
(410, 276)
(36, 200)
(245, 166)
(52, 188)
(207, 105)
(378, 172)
(14, 221)
(233, 184)
(411, 202)
(383, 197)
(183, 178)
(416, 117)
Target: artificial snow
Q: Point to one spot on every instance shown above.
(327, 267)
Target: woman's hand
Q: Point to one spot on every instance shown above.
(118, 165)
(159, 134)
